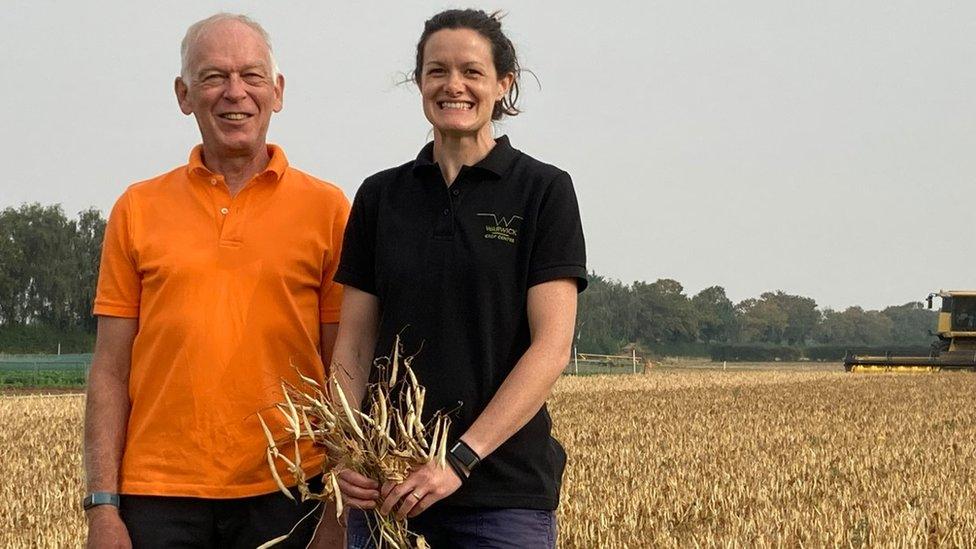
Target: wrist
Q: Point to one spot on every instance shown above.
(94, 500)
(458, 469)
(475, 445)
(463, 459)
(100, 512)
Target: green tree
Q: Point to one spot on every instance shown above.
(854, 326)
(759, 321)
(663, 313)
(912, 323)
(802, 316)
(48, 266)
(604, 319)
(777, 317)
(90, 231)
(716, 315)
(13, 268)
(47, 236)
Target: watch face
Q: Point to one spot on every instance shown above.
(467, 458)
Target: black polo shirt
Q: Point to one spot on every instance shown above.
(451, 267)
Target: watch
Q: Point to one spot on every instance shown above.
(95, 499)
(465, 455)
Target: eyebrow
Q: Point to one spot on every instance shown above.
(465, 64)
(211, 68)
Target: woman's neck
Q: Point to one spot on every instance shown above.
(452, 150)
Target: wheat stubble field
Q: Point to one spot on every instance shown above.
(676, 457)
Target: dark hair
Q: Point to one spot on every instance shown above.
(502, 49)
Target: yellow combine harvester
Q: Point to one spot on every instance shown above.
(955, 349)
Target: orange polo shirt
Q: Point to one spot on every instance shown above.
(230, 294)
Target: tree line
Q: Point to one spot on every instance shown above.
(49, 269)
(660, 315)
(48, 273)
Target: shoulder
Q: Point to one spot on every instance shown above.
(153, 187)
(538, 176)
(389, 176)
(380, 182)
(533, 166)
(313, 187)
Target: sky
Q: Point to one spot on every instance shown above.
(821, 148)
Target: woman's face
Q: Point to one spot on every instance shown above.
(458, 82)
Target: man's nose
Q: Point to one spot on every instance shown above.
(235, 90)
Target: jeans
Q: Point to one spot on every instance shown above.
(469, 528)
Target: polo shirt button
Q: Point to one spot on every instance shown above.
(213, 181)
(224, 211)
(455, 192)
(446, 211)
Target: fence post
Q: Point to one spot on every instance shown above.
(633, 356)
(575, 361)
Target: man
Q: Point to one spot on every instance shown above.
(215, 284)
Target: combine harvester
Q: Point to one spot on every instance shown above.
(955, 349)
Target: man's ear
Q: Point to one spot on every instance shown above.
(279, 92)
(181, 92)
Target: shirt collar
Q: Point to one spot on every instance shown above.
(273, 171)
(499, 158)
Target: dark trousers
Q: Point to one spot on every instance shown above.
(461, 528)
(159, 521)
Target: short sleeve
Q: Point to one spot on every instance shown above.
(357, 268)
(119, 282)
(330, 294)
(559, 250)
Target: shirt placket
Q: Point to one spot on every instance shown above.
(449, 204)
(229, 212)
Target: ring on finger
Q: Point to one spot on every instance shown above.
(416, 495)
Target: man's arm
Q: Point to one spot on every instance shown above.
(106, 419)
(347, 351)
(328, 534)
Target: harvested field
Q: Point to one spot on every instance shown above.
(748, 458)
(677, 457)
(41, 467)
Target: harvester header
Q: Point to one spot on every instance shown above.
(955, 348)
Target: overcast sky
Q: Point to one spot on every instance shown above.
(821, 148)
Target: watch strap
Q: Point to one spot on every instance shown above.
(457, 468)
(95, 499)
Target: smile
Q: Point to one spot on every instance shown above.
(455, 105)
(234, 115)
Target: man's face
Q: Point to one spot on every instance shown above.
(231, 91)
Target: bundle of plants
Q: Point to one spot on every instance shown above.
(384, 442)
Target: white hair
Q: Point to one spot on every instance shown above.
(197, 29)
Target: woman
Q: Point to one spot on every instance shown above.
(475, 252)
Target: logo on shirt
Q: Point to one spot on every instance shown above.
(501, 227)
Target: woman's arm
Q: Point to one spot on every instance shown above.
(551, 308)
(552, 321)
